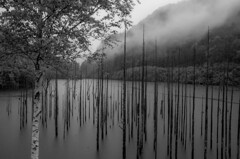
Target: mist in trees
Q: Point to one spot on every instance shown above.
(173, 93)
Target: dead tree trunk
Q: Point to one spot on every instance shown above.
(219, 90)
(124, 97)
(238, 133)
(155, 104)
(206, 105)
(193, 111)
(223, 108)
(142, 94)
(230, 127)
(98, 107)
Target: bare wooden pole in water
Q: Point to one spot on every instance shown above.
(102, 99)
(132, 122)
(218, 104)
(98, 106)
(193, 111)
(206, 104)
(80, 100)
(142, 93)
(124, 96)
(238, 133)
(230, 127)
(211, 123)
(202, 118)
(155, 103)
(222, 120)
(226, 110)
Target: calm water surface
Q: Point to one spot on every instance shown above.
(80, 142)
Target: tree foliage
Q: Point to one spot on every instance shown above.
(46, 31)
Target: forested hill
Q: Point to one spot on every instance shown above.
(176, 32)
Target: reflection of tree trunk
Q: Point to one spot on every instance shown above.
(46, 103)
(168, 106)
(56, 106)
(211, 126)
(155, 117)
(80, 101)
(138, 116)
(106, 113)
(85, 100)
(21, 103)
(50, 101)
(164, 105)
(93, 106)
(206, 106)
(26, 103)
(193, 111)
(124, 98)
(36, 114)
(226, 111)
(177, 109)
(185, 113)
(202, 118)
(219, 89)
(222, 120)
(32, 103)
(230, 126)
(238, 133)
(98, 107)
(171, 109)
(145, 102)
(132, 100)
(142, 95)
(102, 99)
(182, 125)
(155, 104)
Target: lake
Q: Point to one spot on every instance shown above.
(77, 121)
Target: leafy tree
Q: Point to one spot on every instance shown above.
(48, 31)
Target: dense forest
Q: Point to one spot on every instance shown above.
(177, 51)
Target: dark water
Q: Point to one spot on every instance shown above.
(80, 142)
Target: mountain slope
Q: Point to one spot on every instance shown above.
(181, 26)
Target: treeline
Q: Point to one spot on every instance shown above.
(215, 73)
(22, 76)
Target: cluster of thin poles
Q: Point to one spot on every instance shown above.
(129, 105)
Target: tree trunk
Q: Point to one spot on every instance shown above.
(155, 105)
(202, 118)
(222, 120)
(219, 89)
(124, 97)
(230, 127)
(36, 114)
(193, 111)
(238, 133)
(98, 107)
(142, 93)
(206, 107)
(226, 112)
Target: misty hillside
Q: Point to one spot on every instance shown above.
(176, 28)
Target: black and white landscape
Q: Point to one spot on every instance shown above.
(164, 87)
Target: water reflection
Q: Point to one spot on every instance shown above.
(70, 118)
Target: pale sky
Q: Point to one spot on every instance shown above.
(147, 7)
